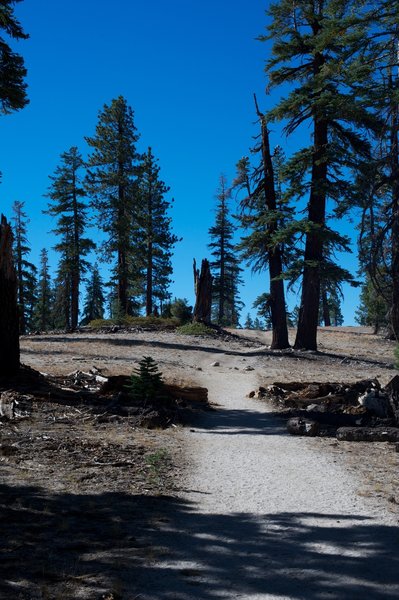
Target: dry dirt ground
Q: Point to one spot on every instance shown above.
(85, 496)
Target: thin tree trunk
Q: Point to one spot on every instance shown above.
(203, 293)
(277, 296)
(20, 289)
(326, 308)
(395, 206)
(75, 275)
(148, 304)
(9, 320)
(149, 290)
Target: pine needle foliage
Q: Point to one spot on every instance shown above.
(146, 383)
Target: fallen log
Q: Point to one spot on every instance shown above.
(368, 434)
(187, 393)
(120, 383)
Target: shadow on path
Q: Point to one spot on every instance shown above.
(162, 548)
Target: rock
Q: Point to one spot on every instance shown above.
(317, 408)
(248, 368)
(376, 402)
(251, 394)
(301, 426)
(215, 364)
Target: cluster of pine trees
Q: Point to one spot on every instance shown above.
(334, 67)
(121, 191)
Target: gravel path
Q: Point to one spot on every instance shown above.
(264, 515)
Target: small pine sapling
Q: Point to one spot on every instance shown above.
(146, 382)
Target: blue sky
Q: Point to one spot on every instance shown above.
(187, 68)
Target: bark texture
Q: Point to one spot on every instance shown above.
(203, 293)
(274, 253)
(9, 318)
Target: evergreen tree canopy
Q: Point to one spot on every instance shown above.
(311, 43)
(94, 301)
(112, 185)
(42, 313)
(67, 204)
(155, 230)
(12, 69)
(225, 265)
(26, 271)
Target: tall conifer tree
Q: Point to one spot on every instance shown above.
(26, 271)
(67, 204)
(155, 230)
(225, 265)
(94, 300)
(42, 313)
(112, 185)
(311, 43)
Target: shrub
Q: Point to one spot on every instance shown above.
(146, 382)
(181, 310)
(128, 321)
(196, 329)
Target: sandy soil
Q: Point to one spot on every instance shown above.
(255, 513)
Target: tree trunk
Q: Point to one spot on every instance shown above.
(395, 207)
(75, 275)
(9, 320)
(149, 309)
(326, 309)
(203, 293)
(306, 337)
(277, 296)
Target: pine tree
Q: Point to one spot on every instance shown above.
(94, 301)
(112, 184)
(379, 179)
(42, 313)
(61, 297)
(155, 229)
(67, 205)
(311, 43)
(375, 244)
(373, 310)
(225, 266)
(263, 214)
(330, 312)
(249, 323)
(12, 69)
(26, 271)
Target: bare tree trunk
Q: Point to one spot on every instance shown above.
(203, 292)
(75, 275)
(9, 320)
(274, 254)
(395, 205)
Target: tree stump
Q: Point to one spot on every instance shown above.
(203, 293)
(9, 320)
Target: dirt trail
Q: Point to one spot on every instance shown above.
(257, 515)
(265, 515)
